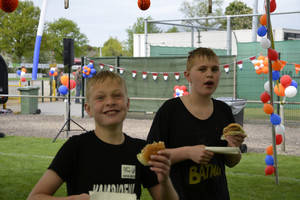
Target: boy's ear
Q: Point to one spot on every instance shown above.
(187, 75)
(88, 109)
(128, 103)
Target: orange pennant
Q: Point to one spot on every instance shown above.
(297, 68)
(283, 63)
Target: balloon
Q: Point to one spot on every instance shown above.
(275, 75)
(185, 93)
(280, 129)
(290, 91)
(267, 86)
(63, 90)
(285, 81)
(272, 6)
(268, 108)
(261, 31)
(265, 43)
(279, 90)
(275, 119)
(19, 72)
(52, 72)
(55, 73)
(183, 87)
(269, 150)
(72, 84)
(90, 65)
(23, 79)
(279, 139)
(9, 6)
(272, 54)
(144, 4)
(64, 80)
(265, 97)
(276, 65)
(23, 69)
(269, 170)
(176, 87)
(258, 71)
(265, 70)
(93, 71)
(294, 83)
(84, 76)
(261, 57)
(269, 160)
(22, 73)
(263, 20)
(266, 62)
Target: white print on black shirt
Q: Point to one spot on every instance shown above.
(116, 188)
(128, 171)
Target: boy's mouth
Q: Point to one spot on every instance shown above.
(111, 112)
(209, 83)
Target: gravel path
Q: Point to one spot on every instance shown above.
(259, 135)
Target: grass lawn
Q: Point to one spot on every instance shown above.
(23, 160)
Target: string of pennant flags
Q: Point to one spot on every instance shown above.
(177, 74)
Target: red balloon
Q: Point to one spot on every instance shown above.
(72, 84)
(265, 97)
(144, 4)
(286, 81)
(272, 54)
(9, 5)
(272, 6)
(269, 170)
(279, 139)
(176, 87)
(183, 88)
(23, 79)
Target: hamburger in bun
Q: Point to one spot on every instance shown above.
(232, 129)
(148, 150)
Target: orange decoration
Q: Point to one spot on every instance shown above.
(8, 5)
(266, 62)
(263, 20)
(260, 57)
(144, 4)
(55, 73)
(23, 69)
(265, 70)
(268, 108)
(64, 80)
(270, 150)
(276, 65)
(279, 90)
(258, 71)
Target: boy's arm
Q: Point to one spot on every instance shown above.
(48, 185)
(234, 141)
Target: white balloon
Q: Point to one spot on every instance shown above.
(290, 91)
(267, 86)
(280, 129)
(265, 43)
(23, 74)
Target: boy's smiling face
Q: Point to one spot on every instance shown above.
(108, 103)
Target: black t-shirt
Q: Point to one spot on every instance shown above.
(86, 164)
(177, 127)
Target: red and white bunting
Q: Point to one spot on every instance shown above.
(177, 75)
(101, 65)
(154, 74)
(297, 68)
(166, 75)
(133, 73)
(252, 59)
(144, 75)
(226, 68)
(121, 70)
(240, 64)
(111, 68)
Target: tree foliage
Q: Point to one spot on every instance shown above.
(112, 47)
(238, 8)
(18, 31)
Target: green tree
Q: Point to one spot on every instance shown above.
(112, 47)
(199, 8)
(139, 28)
(174, 29)
(18, 31)
(64, 28)
(238, 8)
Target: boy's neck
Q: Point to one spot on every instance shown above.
(110, 136)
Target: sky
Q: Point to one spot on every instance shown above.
(101, 19)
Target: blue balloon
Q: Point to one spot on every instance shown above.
(261, 31)
(275, 119)
(275, 75)
(90, 76)
(90, 65)
(93, 71)
(19, 72)
(84, 75)
(294, 83)
(63, 90)
(51, 71)
(269, 160)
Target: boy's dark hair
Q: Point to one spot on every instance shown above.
(198, 53)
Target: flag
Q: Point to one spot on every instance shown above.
(252, 59)
(177, 76)
(101, 65)
(226, 68)
(121, 70)
(297, 68)
(111, 68)
(283, 63)
(165, 76)
(144, 75)
(240, 64)
(154, 74)
(133, 73)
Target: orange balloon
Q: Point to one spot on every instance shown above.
(144, 4)
(263, 20)
(260, 57)
(258, 71)
(23, 69)
(270, 150)
(268, 108)
(265, 70)
(279, 90)
(276, 65)
(257, 64)
(55, 73)
(64, 80)
(266, 62)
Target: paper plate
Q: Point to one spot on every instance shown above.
(223, 150)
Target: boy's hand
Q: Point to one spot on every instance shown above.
(235, 140)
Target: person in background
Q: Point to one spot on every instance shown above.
(105, 159)
(78, 78)
(60, 74)
(190, 123)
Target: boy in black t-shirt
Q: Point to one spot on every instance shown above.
(104, 160)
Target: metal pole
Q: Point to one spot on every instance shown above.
(146, 35)
(254, 21)
(228, 36)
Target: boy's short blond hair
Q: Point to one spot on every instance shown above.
(199, 53)
(100, 77)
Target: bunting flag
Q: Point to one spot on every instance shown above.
(144, 75)
(165, 76)
(283, 63)
(154, 74)
(240, 64)
(121, 70)
(297, 68)
(226, 68)
(252, 59)
(111, 68)
(177, 75)
(101, 65)
(133, 73)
